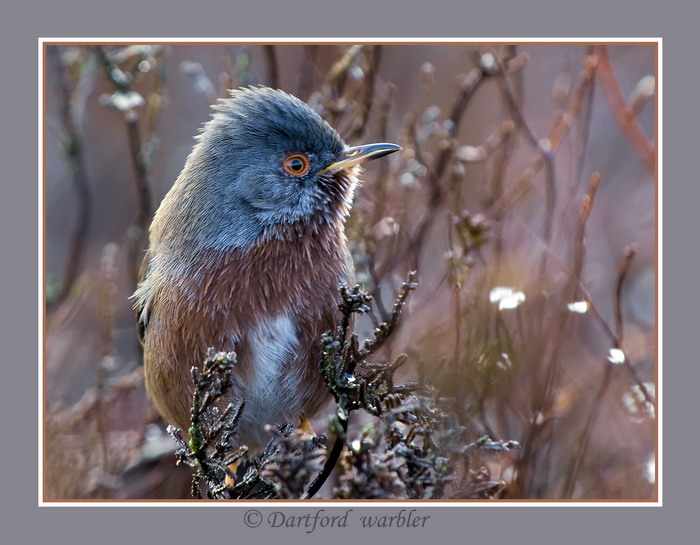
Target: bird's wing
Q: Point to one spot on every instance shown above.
(141, 299)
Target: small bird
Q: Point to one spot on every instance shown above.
(246, 252)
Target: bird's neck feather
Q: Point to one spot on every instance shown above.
(192, 217)
(291, 259)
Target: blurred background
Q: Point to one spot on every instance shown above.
(525, 198)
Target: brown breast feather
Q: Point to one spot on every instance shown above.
(224, 297)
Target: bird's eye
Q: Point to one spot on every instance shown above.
(296, 164)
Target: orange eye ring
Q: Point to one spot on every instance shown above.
(296, 164)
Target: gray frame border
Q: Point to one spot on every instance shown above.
(18, 218)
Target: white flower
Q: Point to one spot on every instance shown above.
(616, 356)
(579, 307)
(506, 298)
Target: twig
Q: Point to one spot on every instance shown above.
(580, 242)
(456, 299)
(141, 173)
(610, 334)
(584, 440)
(74, 151)
(209, 450)
(622, 271)
(107, 292)
(272, 70)
(385, 329)
(560, 127)
(624, 116)
(306, 78)
(354, 382)
(587, 116)
(560, 320)
(542, 148)
(435, 172)
(340, 429)
(336, 80)
(613, 340)
(501, 160)
(137, 234)
(438, 168)
(373, 57)
(616, 336)
(337, 75)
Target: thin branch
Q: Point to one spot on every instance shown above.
(610, 334)
(482, 152)
(580, 242)
(587, 116)
(306, 77)
(137, 234)
(622, 271)
(74, 151)
(272, 70)
(373, 56)
(435, 172)
(623, 114)
(335, 82)
(456, 295)
(585, 439)
(353, 381)
(501, 160)
(141, 174)
(560, 319)
(340, 429)
(543, 149)
(438, 168)
(560, 127)
(596, 406)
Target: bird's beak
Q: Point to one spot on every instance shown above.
(359, 154)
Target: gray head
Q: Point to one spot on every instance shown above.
(264, 159)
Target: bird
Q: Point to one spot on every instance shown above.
(245, 254)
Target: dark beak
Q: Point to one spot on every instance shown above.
(359, 154)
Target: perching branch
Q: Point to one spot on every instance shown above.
(354, 382)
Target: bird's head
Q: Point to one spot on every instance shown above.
(263, 160)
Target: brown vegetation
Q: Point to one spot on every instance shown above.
(524, 199)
